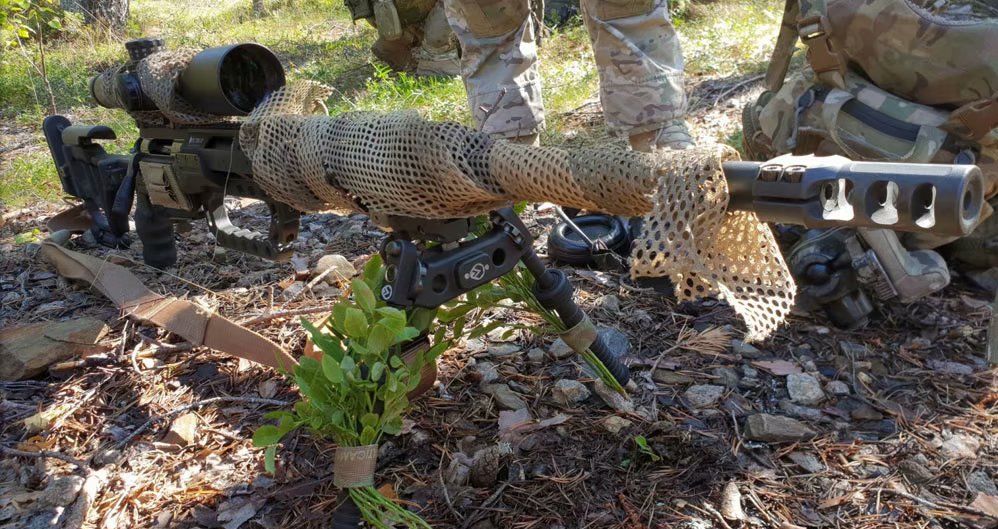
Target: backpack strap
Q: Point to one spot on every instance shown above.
(807, 20)
(815, 31)
(975, 120)
(779, 63)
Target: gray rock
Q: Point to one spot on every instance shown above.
(45, 519)
(62, 491)
(559, 349)
(837, 388)
(609, 303)
(293, 291)
(504, 349)
(670, 378)
(807, 461)
(568, 392)
(336, 267)
(951, 368)
(915, 472)
(488, 372)
(612, 398)
(979, 481)
(535, 355)
(615, 424)
(747, 350)
(961, 446)
(502, 334)
(800, 412)
(505, 398)
(776, 429)
(804, 389)
(727, 376)
(704, 395)
(853, 349)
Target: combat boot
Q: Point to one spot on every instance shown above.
(674, 135)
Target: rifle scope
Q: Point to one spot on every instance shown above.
(224, 81)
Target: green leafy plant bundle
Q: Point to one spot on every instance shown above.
(359, 389)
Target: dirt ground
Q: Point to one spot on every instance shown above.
(890, 426)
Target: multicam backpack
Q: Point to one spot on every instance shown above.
(887, 80)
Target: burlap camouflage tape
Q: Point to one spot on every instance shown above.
(354, 466)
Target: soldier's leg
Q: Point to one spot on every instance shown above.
(438, 52)
(499, 65)
(640, 66)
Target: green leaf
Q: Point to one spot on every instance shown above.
(392, 318)
(380, 339)
(331, 368)
(393, 427)
(373, 273)
(369, 420)
(55, 24)
(267, 435)
(407, 334)
(355, 323)
(645, 449)
(395, 362)
(364, 296)
(323, 341)
(377, 370)
(270, 459)
(348, 365)
(422, 318)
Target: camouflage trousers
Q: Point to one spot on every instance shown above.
(637, 54)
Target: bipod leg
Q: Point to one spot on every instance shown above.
(555, 292)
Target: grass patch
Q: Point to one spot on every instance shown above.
(317, 40)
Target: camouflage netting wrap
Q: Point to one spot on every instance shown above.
(401, 164)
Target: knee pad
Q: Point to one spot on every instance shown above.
(493, 18)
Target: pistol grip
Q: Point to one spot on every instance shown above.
(155, 229)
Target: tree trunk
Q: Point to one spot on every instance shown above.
(109, 14)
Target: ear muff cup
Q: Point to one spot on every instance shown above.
(567, 247)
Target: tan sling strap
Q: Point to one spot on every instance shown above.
(180, 317)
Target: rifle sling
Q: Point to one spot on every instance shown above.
(178, 316)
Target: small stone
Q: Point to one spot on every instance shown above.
(568, 392)
(559, 349)
(731, 503)
(800, 412)
(915, 472)
(727, 376)
(183, 431)
(951, 368)
(807, 461)
(776, 429)
(488, 372)
(979, 481)
(504, 397)
(535, 355)
(961, 446)
(704, 395)
(339, 268)
(854, 350)
(609, 303)
(504, 349)
(615, 424)
(62, 491)
(612, 398)
(293, 291)
(502, 334)
(746, 350)
(670, 378)
(804, 389)
(837, 388)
